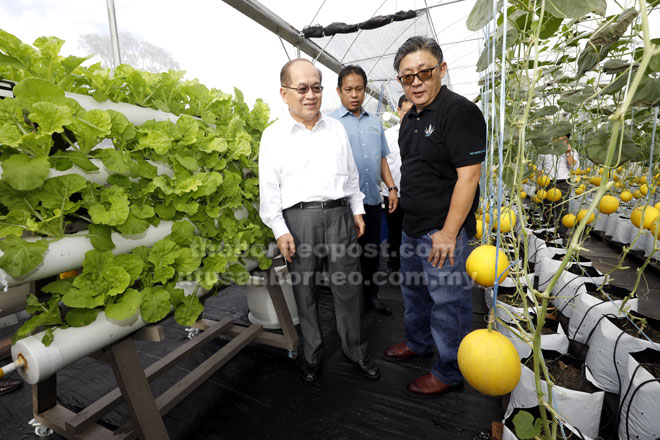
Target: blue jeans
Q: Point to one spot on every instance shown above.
(437, 303)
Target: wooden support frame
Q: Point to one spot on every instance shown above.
(133, 380)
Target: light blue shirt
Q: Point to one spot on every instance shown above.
(369, 145)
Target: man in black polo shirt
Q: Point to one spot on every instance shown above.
(443, 142)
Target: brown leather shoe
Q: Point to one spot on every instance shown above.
(400, 352)
(429, 385)
(9, 385)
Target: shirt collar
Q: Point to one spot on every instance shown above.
(292, 123)
(344, 112)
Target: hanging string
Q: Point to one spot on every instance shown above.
(650, 183)
(317, 13)
(500, 151)
(484, 170)
(491, 141)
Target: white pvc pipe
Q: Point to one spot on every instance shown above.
(136, 115)
(69, 345)
(69, 252)
(10, 368)
(73, 343)
(100, 176)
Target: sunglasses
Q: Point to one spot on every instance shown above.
(304, 89)
(423, 75)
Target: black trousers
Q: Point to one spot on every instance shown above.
(327, 236)
(394, 227)
(370, 249)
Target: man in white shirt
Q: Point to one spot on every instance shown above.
(557, 168)
(310, 197)
(394, 219)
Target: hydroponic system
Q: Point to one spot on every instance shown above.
(147, 184)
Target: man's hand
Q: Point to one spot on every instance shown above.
(393, 199)
(359, 225)
(443, 246)
(286, 246)
(570, 160)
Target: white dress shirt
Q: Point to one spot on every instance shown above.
(393, 159)
(556, 167)
(301, 165)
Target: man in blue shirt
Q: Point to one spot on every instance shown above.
(369, 147)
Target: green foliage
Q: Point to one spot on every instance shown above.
(20, 257)
(24, 173)
(575, 9)
(568, 68)
(195, 172)
(598, 144)
(648, 93)
(610, 32)
(525, 425)
(481, 13)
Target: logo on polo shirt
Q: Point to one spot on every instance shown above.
(429, 130)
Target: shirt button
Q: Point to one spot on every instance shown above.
(418, 119)
(415, 131)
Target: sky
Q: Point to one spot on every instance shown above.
(225, 49)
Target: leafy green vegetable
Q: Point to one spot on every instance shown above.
(187, 308)
(21, 257)
(24, 173)
(125, 306)
(195, 171)
(100, 237)
(155, 304)
(13, 223)
(113, 208)
(182, 233)
(132, 264)
(80, 317)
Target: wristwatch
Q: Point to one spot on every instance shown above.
(394, 188)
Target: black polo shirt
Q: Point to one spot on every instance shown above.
(450, 133)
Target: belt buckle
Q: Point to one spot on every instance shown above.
(323, 204)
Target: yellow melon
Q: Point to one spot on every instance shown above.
(489, 362)
(480, 265)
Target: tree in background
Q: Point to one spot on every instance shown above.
(134, 51)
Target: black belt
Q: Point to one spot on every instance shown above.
(325, 204)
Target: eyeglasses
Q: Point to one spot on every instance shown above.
(302, 90)
(423, 75)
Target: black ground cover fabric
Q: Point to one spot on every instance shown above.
(258, 395)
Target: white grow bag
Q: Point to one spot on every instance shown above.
(556, 342)
(581, 410)
(550, 342)
(567, 287)
(607, 358)
(640, 400)
(601, 222)
(615, 224)
(507, 434)
(587, 312)
(624, 231)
